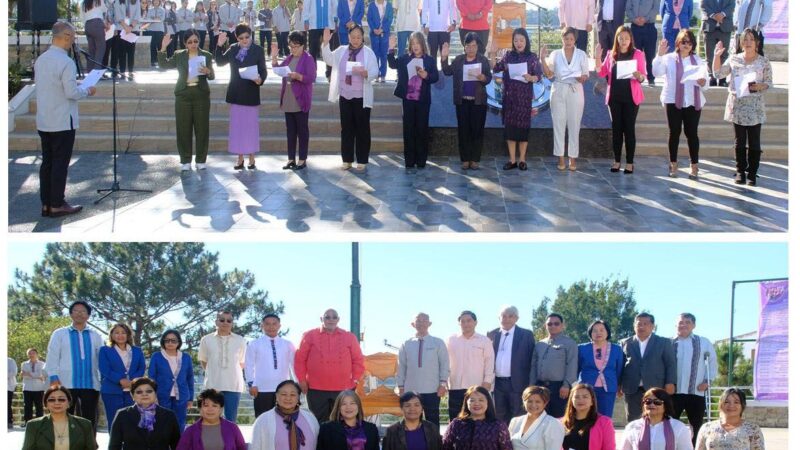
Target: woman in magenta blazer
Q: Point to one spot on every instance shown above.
(624, 93)
(582, 417)
(211, 403)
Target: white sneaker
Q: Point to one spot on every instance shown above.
(186, 167)
(361, 168)
(347, 166)
(200, 166)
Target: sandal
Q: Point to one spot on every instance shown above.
(474, 165)
(573, 164)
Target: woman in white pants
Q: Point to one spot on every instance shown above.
(568, 69)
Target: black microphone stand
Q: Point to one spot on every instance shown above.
(115, 184)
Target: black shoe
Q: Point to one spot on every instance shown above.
(712, 82)
(615, 169)
(509, 165)
(251, 166)
(299, 166)
(420, 166)
(65, 210)
(751, 182)
(740, 179)
(291, 165)
(722, 83)
(523, 165)
(628, 171)
(239, 166)
(651, 83)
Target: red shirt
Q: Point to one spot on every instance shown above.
(329, 361)
(474, 7)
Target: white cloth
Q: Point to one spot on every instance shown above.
(259, 365)
(334, 58)
(561, 67)
(266, 425)
(174, 366)
(684, 357)
(642, 344)
(97, 12)
(310, 15)
(132, 12)
(12, 375)
(502, 361)
(566, 107)
(185, 18)
(437, 15)
(224, 358)
(38, 380)
(665, 66)
(407, 14)
(546, 433)
(59, 355)
(634, 430)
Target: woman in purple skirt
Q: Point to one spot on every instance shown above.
(518, 95)
(243, 93)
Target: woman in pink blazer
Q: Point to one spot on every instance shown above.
(624, 93)
(586, 429)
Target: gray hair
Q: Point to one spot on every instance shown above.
(60, 28)
(510, 310)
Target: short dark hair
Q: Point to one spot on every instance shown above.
(467, 313)
(81, 302)
(733, 391)
(686, 33)
(570, 30)
(213, 395)
(690, 316)
(241, 28)
(356, 27)
(167, 333)
(757, 36)
(408, 396)
(273, 315)
(541, 391)
(465, 413)
(136, 382)
(524, 33)
(560, 317)
(649, 316)
(661, 394)
(191, 31)
(603, 322)
(292, 383)
(52, 389)
(298, 38)
(472, 37)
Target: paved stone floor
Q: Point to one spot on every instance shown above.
(388, 198)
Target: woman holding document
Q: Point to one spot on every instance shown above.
(624, 70)
(192, 97)
(416, 71)
(298, 71)
(127, 14)
(751, 74)
(520, 67)
(248, 72)
(684, 82)
(469, 96)
(569, 69)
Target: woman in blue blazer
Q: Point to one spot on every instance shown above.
(601, 357)
(672, 11)
(415, 91)
(379, 17)
(173, 373)
(347, 19)
(119, 363)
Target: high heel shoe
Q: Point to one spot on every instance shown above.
(615, 167)
(694, 172)
(673, 170)
(628, 171)
(239, 166)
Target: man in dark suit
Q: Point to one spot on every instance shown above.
(642, 14)
(513, 347)
(610, 15)
(717, 27)
(649, 362)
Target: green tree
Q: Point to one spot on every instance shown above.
(742, 367)
(583, 302)
(31, 332)
(149, 286)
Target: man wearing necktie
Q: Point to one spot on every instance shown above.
(513, 348)
(267, 361)
(423, 367)
(717, 27)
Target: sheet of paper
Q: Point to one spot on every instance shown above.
(412, 65)
(693, 73)
(625, 69)
(249, 72)
(471, 72)
(349, 68)
(743, 84)
(282, 71)
(195, 64)
(517, 71)
(130, 37)
(110, 32)
(92, 78)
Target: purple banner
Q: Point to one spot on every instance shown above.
(776, 31)
(771, 365)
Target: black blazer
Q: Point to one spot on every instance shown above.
(241, 91)
(126, 434)
(456, 70)
(395, 438)
(332, 437)
(400, 64)
(521, 354)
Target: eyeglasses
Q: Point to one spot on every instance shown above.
(225, 320)
(553, 324)
(331, 317)
(686, 42)
(57, 400)
(143, 392)
(295, 46)
(653, 401)
(193, 41)
(170, 341)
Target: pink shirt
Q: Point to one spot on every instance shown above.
(601, 435)
(636, 86)
(471, 360)
(329, 361)
(576, 13)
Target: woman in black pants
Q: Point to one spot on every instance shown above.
(212, 25)
(94, 12)
(347, 429)
(127, 14)
(158, 14)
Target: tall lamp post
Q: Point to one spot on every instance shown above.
(355, 295)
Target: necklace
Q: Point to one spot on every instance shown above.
(61, 434)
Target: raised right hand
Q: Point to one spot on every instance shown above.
(598, 51)
(274, 49)
(326, 36)
(165, 41)
(222, 39)
(543, 53)
(445, 50)
(719, 49)
(392, 42)
(663, 46)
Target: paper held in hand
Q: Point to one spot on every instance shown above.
(743, 84)
(249, 72)
(694, 73)
(411, 67)
(471, 72)
(110, 32)
(625, 69)
(518, 71)
(281, 71)
(195, 64)
(130, 37)
(92, 78)
(348, 70)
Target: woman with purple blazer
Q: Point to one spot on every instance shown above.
(296, 101)
(349, 13)
(212, 431)
(600, 365)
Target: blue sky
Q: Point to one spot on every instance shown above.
(400, 279)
